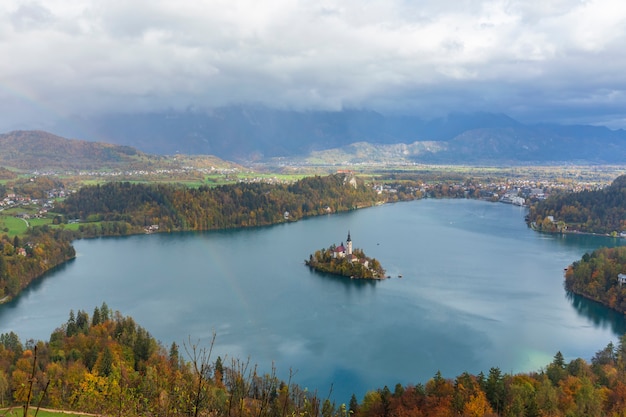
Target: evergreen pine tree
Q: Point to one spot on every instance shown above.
(96, 319)
(70, 326)
(354, 405)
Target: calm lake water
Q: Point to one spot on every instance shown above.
(479, 289)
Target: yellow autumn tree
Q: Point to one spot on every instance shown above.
(477, 406)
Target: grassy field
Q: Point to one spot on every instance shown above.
(15, 226)
(40, 221)
(12, 226)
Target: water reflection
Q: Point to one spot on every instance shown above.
(344, 282)
(33, 287)
(14, 311)
(574, 240)
(598, 314)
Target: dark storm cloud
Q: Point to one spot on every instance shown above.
(536, 60)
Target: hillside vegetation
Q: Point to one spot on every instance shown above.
(107, 364)
(594, 211)
(37, 150)
(595, 276)
(6, 174)
(40, 150)
(172, 207)
(24, 260)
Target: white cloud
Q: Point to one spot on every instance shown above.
(76, 57)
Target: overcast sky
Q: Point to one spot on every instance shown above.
(535, 60)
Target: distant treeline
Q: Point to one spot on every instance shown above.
(595, 277)
(107, 364)
(175, 208)
(6, 174)
(600, 211)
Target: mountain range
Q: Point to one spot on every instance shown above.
(256, 133)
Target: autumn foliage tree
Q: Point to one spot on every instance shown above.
(595, 276)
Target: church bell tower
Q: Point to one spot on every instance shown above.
(349, 245)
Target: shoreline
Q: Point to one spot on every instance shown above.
(586, 297)
(534, 228)
(316, 269)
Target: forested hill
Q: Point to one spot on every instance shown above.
(42, 150)
(597, 211)
(172, 207)
(109, 365)
(595, 277)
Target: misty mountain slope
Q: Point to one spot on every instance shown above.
(40, 150)
(257, 133)
(37, 150)
(537, 144)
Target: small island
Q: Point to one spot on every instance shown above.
(343, 260)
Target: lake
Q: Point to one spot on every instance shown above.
(478, 290)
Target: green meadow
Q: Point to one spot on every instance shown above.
(12, 226)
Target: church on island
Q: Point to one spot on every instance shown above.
(342, 251)
(344, 260)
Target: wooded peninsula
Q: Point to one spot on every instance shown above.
(600, 211)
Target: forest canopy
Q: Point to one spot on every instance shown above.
(590, 211)
(174, 207)
(106, 363)
(595, 276)
(24, 259)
